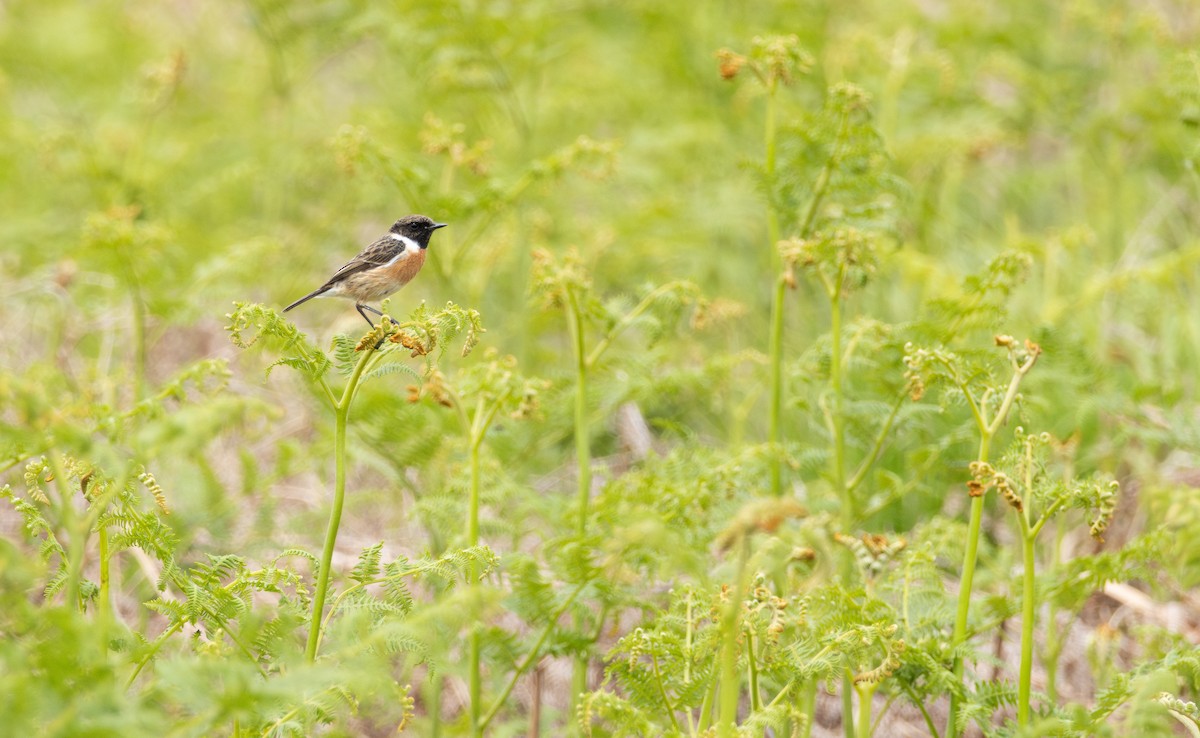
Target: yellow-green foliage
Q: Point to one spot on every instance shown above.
(807, 324)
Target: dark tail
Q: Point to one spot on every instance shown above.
(306, 298)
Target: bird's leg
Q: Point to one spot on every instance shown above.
(361, 308)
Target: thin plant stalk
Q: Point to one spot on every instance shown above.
(730, 681)
(808, 705)
(865, 693)
(341, 412)
(987, 430)
(1029, 532)
(583, 452)
(76, 533)
(848, 704)
(837, 428)
(475, 684)
(964, 595)
(583, 460)
(585, 361)
(1028, 605)
(752, 673)
(1188, 723)
(152, 650)
(706, 716)
(476, 429)
(836, 384)
(775, 347)
(529, 660)
(662, 691)
(104, 605)
(1054, 640)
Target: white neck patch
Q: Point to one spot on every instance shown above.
(409, 244)
(410, 247)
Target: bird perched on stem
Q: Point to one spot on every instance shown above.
(381, 268)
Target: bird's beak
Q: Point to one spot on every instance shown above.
(438, 225)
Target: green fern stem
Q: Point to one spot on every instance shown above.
(104, 606)
(662, 691)
(583, 453)
(964, 592)
(838, 429)
(848, 704)
(331, 531)
(865, 694)
(775, 350)
(775, 347)
(706, 708)
(530, 659)
(583, 460)
(730, 683)
(153, 650)
(752, 673)
(341, 415)
(808, 706)
(475, 685)
(77, 534)
(480, 422)
(987, 430)
(1028, 604)
(837, 386)
(1192, 729)
(1028, 535)
(1054, 642)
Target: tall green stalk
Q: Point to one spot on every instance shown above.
(848, 704)
(583, 460)
(1030, 529)
(752, 673)
(807, 702)
(476, 428)
(730, 629)
(1028, 604)
(1054, 640)
(775, 347)
(834, 290)
(987, 430)
(475, 683)
(528, 661)
(836, 384)
(584, 362)
(104, 611)
(583, 451)
(341, 410)
(865, 693)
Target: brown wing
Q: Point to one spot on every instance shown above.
(375, 255)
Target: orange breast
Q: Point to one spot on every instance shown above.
(407, 267)
(378, 283)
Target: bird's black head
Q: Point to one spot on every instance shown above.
(417, 227)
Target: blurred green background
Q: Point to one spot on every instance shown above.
(161, 160)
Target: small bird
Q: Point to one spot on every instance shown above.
(381, 268)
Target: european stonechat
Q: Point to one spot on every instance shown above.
(381, 268)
